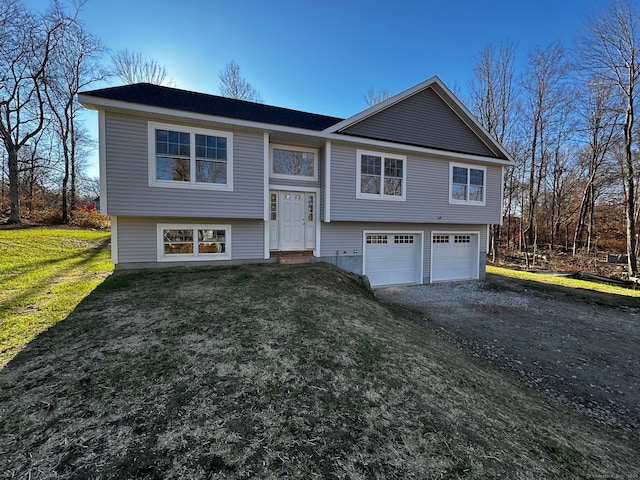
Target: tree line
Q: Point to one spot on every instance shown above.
(46, 58)
(567, 120)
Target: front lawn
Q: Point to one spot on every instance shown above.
(274, 371)
(44, 274)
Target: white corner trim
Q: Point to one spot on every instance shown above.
(267, 195)
(327, 182)
(114, 239)
(502, 196)
(102, 160)
(265, 153)
(488, 235)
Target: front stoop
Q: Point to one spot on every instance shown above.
(292, 257)
(290, 260)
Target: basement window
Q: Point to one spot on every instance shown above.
(193, 242)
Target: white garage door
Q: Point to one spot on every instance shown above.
(392, 258)
(454, 256)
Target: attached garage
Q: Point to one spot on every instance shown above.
(392, 258)
(454, 256)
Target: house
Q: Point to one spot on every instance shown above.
(403, 192)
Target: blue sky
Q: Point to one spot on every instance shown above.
(322, 56)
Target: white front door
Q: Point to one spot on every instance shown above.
(292, 220)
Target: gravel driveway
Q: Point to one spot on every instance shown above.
(587, 356)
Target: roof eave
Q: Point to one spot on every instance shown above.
(99, 103)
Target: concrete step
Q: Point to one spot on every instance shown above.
(290, 260)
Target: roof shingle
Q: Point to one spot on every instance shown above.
(173, 98)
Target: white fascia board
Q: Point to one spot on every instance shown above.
(101, 104)
(104, 103)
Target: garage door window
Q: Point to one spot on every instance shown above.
(462, 239)
(375, 239)
(403, 239)
(441, 239)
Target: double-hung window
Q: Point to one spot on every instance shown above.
(381, 175)
(467, 184)
(180, 242)
(186, 157)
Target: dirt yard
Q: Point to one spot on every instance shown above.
(582, 354)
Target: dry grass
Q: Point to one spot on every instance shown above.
(274, 372)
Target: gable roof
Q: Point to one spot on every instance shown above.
(427, 117)
(447, 122)
(176, 99)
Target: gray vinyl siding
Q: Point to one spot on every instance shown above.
(129, 193)
(427, 193)
(137, 237)
(423, 119)
(345, 239)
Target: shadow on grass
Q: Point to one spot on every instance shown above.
(84, 257)
(45, 308)
(503, 282)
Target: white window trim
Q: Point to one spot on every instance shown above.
(294, 149)
(381, 195)
(192, 184)
(192, 257)
(454, 201)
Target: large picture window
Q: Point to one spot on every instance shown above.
(193, 242)
(380, 175)
(290, 162)
(185, 157)
(467, 184)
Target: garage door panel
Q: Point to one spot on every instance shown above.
(454, 256)
(392, 258)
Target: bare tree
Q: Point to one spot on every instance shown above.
(374, 96)
(133, 67)
(493, 89)
(74, 66)
(492, 101)
(233, 85)
(600, 117)
(609, 50)
(543, 108)
(26, 46)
